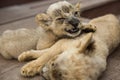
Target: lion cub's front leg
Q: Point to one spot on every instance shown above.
(34, 67)
(30, 55)
(30, 69)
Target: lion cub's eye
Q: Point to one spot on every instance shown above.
(77, 13)
(60, 19)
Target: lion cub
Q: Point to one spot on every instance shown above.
(59, 22)
(77, 58)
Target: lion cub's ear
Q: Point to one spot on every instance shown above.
(77, 10)
(43, 20)
(77, 6)
(85, 41)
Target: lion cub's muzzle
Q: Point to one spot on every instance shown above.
(74, 22)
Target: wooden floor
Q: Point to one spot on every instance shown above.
(19, 16)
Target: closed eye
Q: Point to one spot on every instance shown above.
(60, 19)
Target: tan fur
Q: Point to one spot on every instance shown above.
(70, 59)
(14, 42)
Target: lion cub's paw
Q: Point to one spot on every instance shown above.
(29, 69)
(89, 28)
(24, 56)
(93, 28)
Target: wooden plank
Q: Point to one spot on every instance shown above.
(88, 4)
(113, 68)
(4, 3)
(18, 12)
(26, 23)
(14, 74)
(110, 8)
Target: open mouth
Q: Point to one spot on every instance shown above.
(71, 31)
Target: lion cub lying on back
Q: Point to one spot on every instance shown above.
(56, 24)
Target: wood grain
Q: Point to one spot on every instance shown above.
(18, 12)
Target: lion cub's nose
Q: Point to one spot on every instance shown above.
(74, 22)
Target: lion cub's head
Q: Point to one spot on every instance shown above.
(62, 18)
